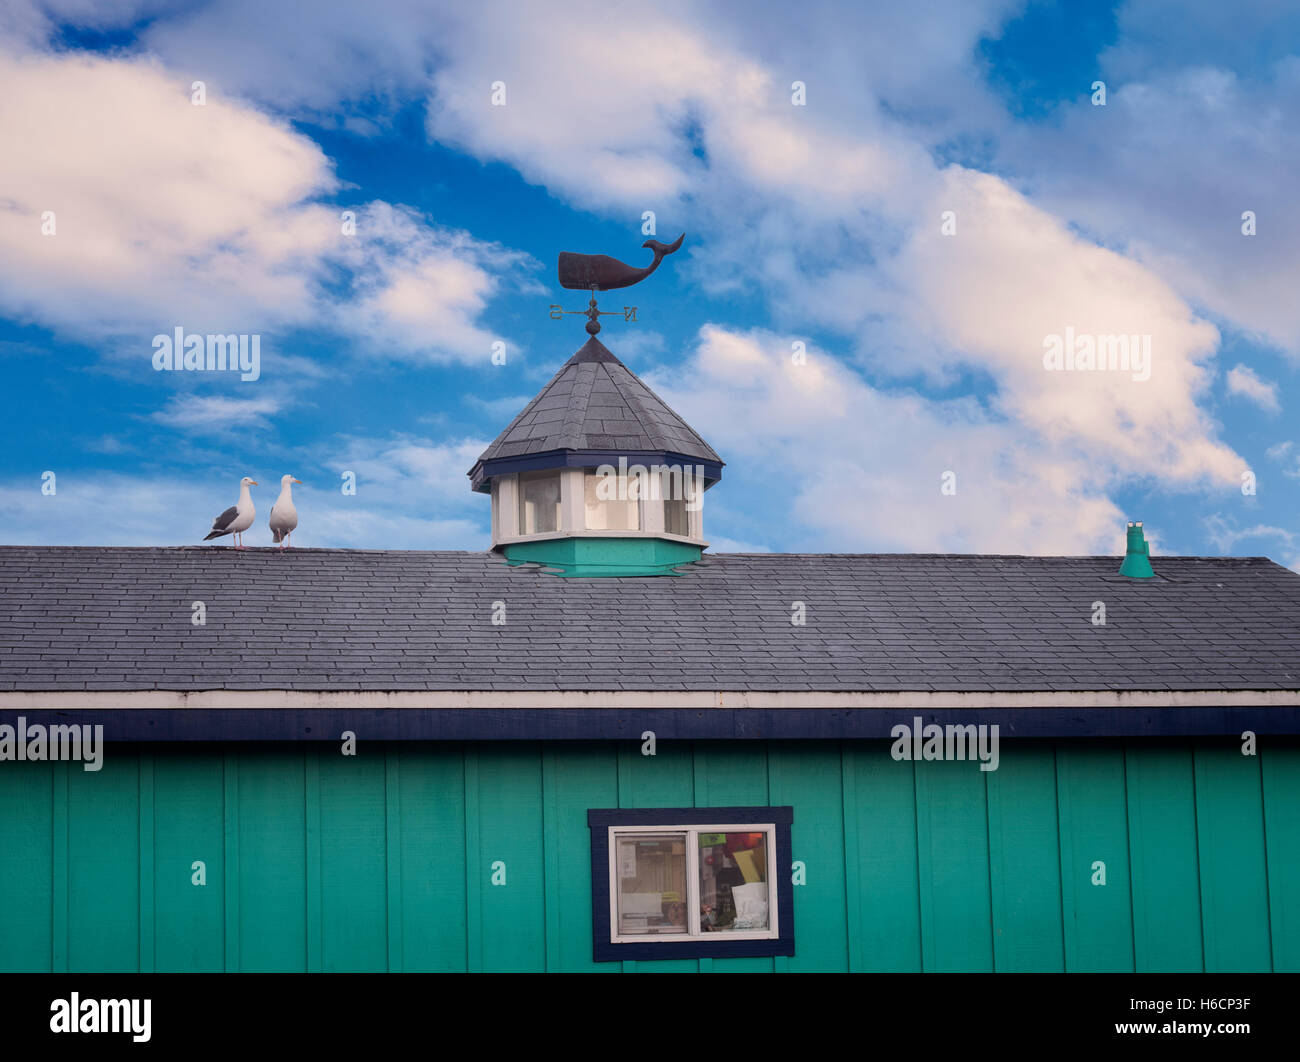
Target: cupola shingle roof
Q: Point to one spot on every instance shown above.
(595, 402)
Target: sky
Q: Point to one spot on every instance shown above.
(894, 215)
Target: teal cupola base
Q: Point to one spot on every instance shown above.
(590, 558)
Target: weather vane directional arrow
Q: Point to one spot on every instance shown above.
(600, 272)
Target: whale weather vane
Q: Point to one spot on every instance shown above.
(600, 272)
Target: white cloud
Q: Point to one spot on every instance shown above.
(217, 413)
(164, 211)
(312, 58)
(96, 508)
(1225, 534)
(861, 469)
(107, 444)
(1169, 166)
(503, 409)
(1242, 380)
(167, 213)
(419, 292)
(1014, 275)
(403, 465)
(411, 494)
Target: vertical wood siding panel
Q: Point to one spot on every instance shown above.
(272, 860)
(578, 777)
(1094, 828)
(775, 793)
(393, 858)
(883, 898)
(1234, 884)
(732, 775)
(104, 864)
(311, 823)
(146, 868)
(59, 867)
(806, 775)
(1280, 764)
(551, 884)
(953, 866)
(1162, 848)
(510, 831)
(27, 893)
(1025, 861)
(473, 865)
(189, 919)
(353, 862)
(230, 837)
(853, 899)
(433, 833)
(623, 760)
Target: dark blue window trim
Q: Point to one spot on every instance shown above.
(714, 946)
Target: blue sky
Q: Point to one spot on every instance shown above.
(819, 223)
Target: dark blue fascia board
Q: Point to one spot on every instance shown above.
(714, 946)
(501, 466)
(603, 724)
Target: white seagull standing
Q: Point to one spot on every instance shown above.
(238, 518)
(284, 517)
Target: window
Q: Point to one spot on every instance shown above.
(676, 518)
(612, 502)
(679, 489)
(539, 502)
(691, 882)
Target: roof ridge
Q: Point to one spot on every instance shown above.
(201, 549)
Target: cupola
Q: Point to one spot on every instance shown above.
(596, 476)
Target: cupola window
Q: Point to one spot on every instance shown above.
(676, 518)
(611, 502)
(539, 502)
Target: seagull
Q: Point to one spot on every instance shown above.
(284, 517)
(238, 518)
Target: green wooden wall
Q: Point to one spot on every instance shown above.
(383, 861)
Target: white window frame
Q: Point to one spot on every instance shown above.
(694, 932)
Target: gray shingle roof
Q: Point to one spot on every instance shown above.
(595, 402)
(104, 618)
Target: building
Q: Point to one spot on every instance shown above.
(598, 746)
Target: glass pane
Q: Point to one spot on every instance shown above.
(733, 882)
(616, 511)
(675, 517)
(651, 870)
(539, 503)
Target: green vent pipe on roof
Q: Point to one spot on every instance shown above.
(1137, 563)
